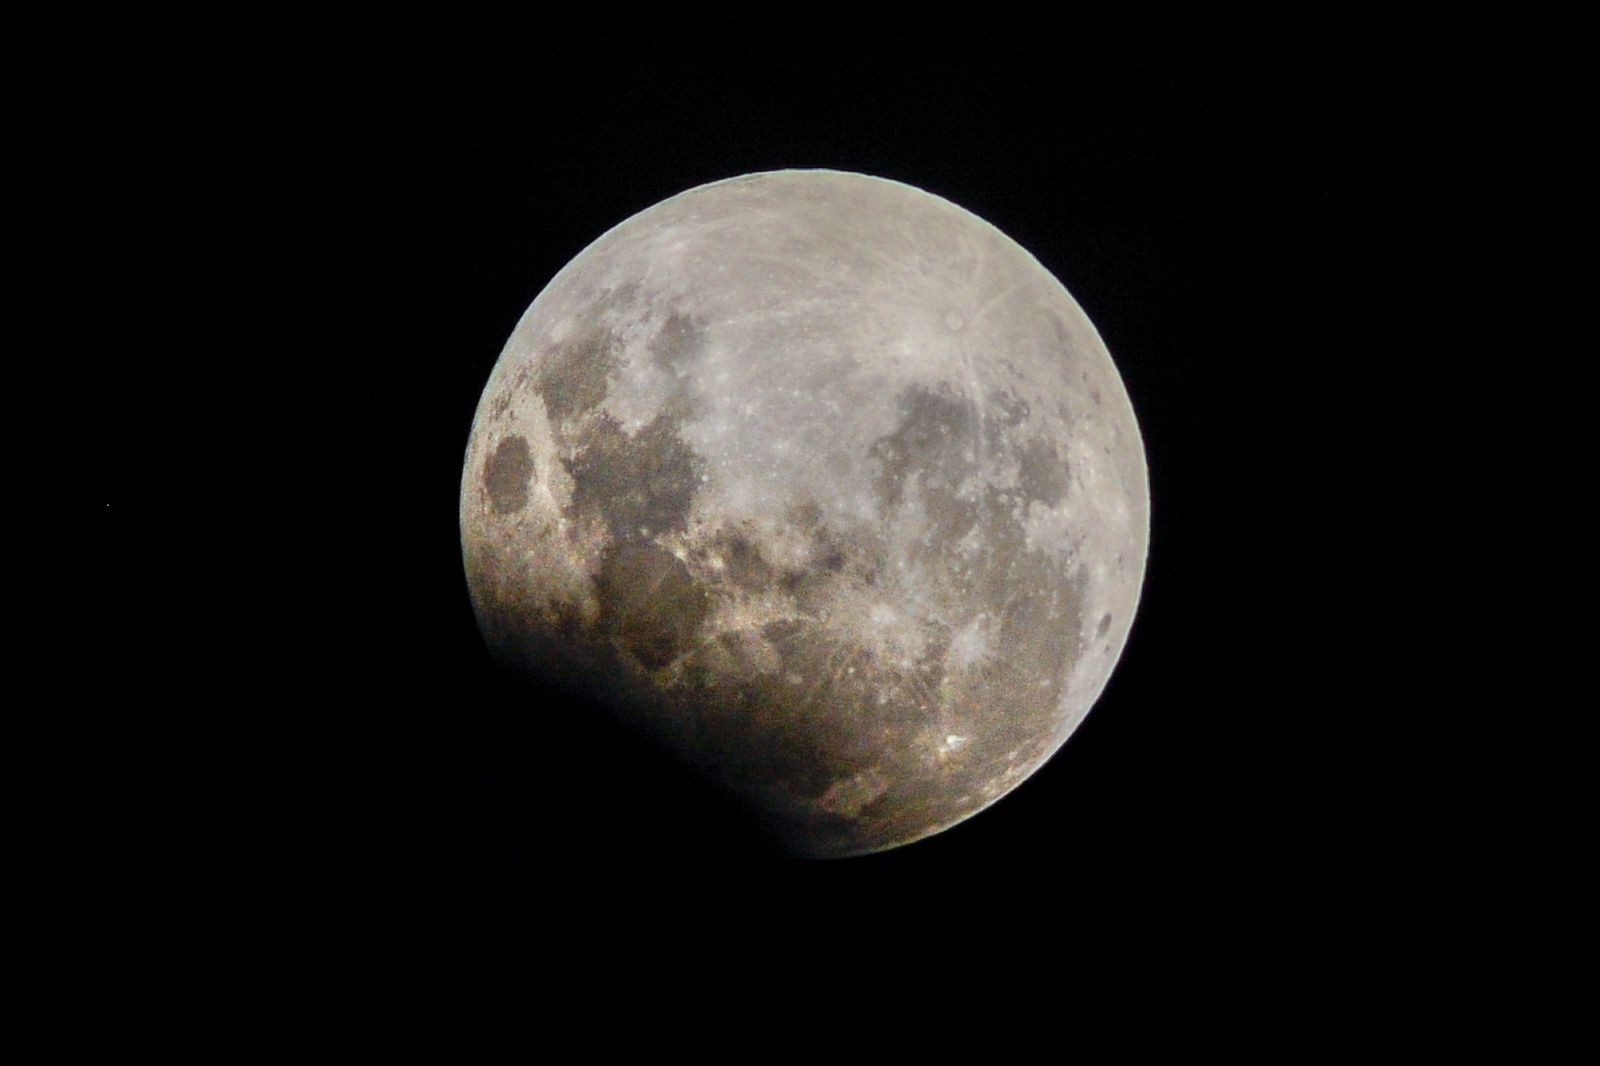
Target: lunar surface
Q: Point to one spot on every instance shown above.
(824, 483)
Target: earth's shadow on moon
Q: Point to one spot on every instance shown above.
(622, 792)
(541, 845)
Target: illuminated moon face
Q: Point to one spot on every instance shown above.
(826, 484)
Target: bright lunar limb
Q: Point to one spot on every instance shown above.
(826, 484)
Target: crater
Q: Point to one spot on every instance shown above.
(816, 719)
(1042, 630)
(1013, 409)
(641, 486)
(506, 475)
(649, 603)
(742, 561)
(936, 429)
(935, 446)
(827, 549)
(1041, 472)
(747, 567)
(573, 378)
(677, 343)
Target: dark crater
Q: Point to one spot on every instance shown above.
(677, 343)
(573, 377)
(649, 603)
(641, 485)
(507, 473)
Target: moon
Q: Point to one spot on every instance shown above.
(825, 484)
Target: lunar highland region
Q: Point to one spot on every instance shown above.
(825, 484)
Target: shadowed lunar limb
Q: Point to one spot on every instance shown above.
(825, 484)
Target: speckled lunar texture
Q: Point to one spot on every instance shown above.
(825, 483)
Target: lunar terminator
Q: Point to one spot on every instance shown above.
(824, 483)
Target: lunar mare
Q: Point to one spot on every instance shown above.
(824, 483)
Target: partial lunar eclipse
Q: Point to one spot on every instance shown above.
(825, 484)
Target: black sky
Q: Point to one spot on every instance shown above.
(1293, 237)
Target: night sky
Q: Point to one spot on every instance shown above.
(1291, 237)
